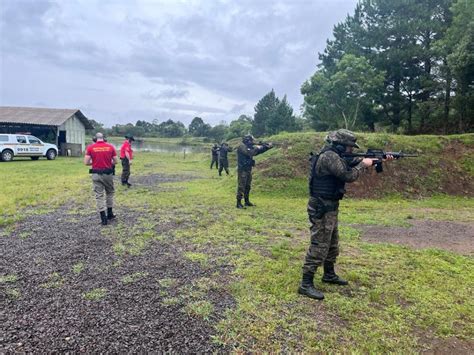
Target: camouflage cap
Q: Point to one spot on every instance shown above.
(248, 138)
(343, 137)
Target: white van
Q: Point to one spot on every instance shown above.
(23, 145)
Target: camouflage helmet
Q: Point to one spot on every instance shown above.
(343, 137)
(248, 138)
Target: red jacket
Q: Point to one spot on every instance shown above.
(102, 154)
(126, 147)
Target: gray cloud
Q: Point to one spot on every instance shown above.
(197, 109)
(235, 50)
(166, 94)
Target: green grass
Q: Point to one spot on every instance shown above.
(398, 298)
(10, 278)
(77, 268)
(55, 280)
(197, 257)
(134, 277)
(95, 295)
(201, 309)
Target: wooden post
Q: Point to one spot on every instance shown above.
(184, 154)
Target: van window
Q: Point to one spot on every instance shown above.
(21, 139)
(3, 138)
(34, 140)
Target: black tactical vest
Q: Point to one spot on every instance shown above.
(244, 162)
(327, 186)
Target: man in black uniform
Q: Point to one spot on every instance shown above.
(215, 156)
(223, 162)
(245, 153)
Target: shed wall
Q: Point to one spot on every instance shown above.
(75, 131)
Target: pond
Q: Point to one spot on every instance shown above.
(144, 146)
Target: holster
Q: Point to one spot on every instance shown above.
(320, 209)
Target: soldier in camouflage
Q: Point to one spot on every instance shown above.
(328, 176)
(223, 162)
(245, 153)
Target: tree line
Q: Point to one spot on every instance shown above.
(405, 66)
(272, 115)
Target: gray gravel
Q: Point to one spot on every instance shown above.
(44, 309)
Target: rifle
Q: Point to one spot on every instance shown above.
(263, 144)
(378, 155)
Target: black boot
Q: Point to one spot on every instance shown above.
(239, 203)
(248, 203)
(307, 287)
(330, 276)
(103, 218)
(110, 213)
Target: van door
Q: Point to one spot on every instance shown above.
(36, 146)
(22, 146)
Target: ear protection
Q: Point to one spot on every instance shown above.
(340, 148)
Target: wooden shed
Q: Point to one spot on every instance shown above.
(64, 127)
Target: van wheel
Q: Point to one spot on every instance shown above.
(7, 155)
(34, 158)
(51, 154)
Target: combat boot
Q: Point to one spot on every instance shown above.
(110, 213)
(330, 276)
(248, 203)
(239, 203)
(307, 287)
(103, 218)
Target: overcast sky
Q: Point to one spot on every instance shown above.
(121, 61)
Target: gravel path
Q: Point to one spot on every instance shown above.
(137, 303)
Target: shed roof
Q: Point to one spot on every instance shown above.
(40, 116)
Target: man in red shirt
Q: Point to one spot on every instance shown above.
(103, 157)
(126, 156)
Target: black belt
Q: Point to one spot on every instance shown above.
(101, 171)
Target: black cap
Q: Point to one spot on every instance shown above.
(130, 137)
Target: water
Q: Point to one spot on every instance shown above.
(160, 147)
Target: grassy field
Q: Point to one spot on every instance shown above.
(399, 299)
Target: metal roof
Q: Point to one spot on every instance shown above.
(41, 116)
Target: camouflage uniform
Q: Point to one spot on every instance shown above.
(328, 175)
(323, 212)
(214, 156)
(245, 153)
(223, 162)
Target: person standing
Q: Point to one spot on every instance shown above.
(214, 156)
(103, 157)
(223, 162)
(245, 153)
(328, 175)
(126, 156)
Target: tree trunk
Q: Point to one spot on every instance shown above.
(410, 103)
(447, 97)
(396, 103)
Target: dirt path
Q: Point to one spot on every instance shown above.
(453, 236)
(141, 302)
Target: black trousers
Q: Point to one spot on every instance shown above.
(125, 170)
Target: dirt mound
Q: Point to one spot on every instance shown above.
(453, 236)
(448, 170)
